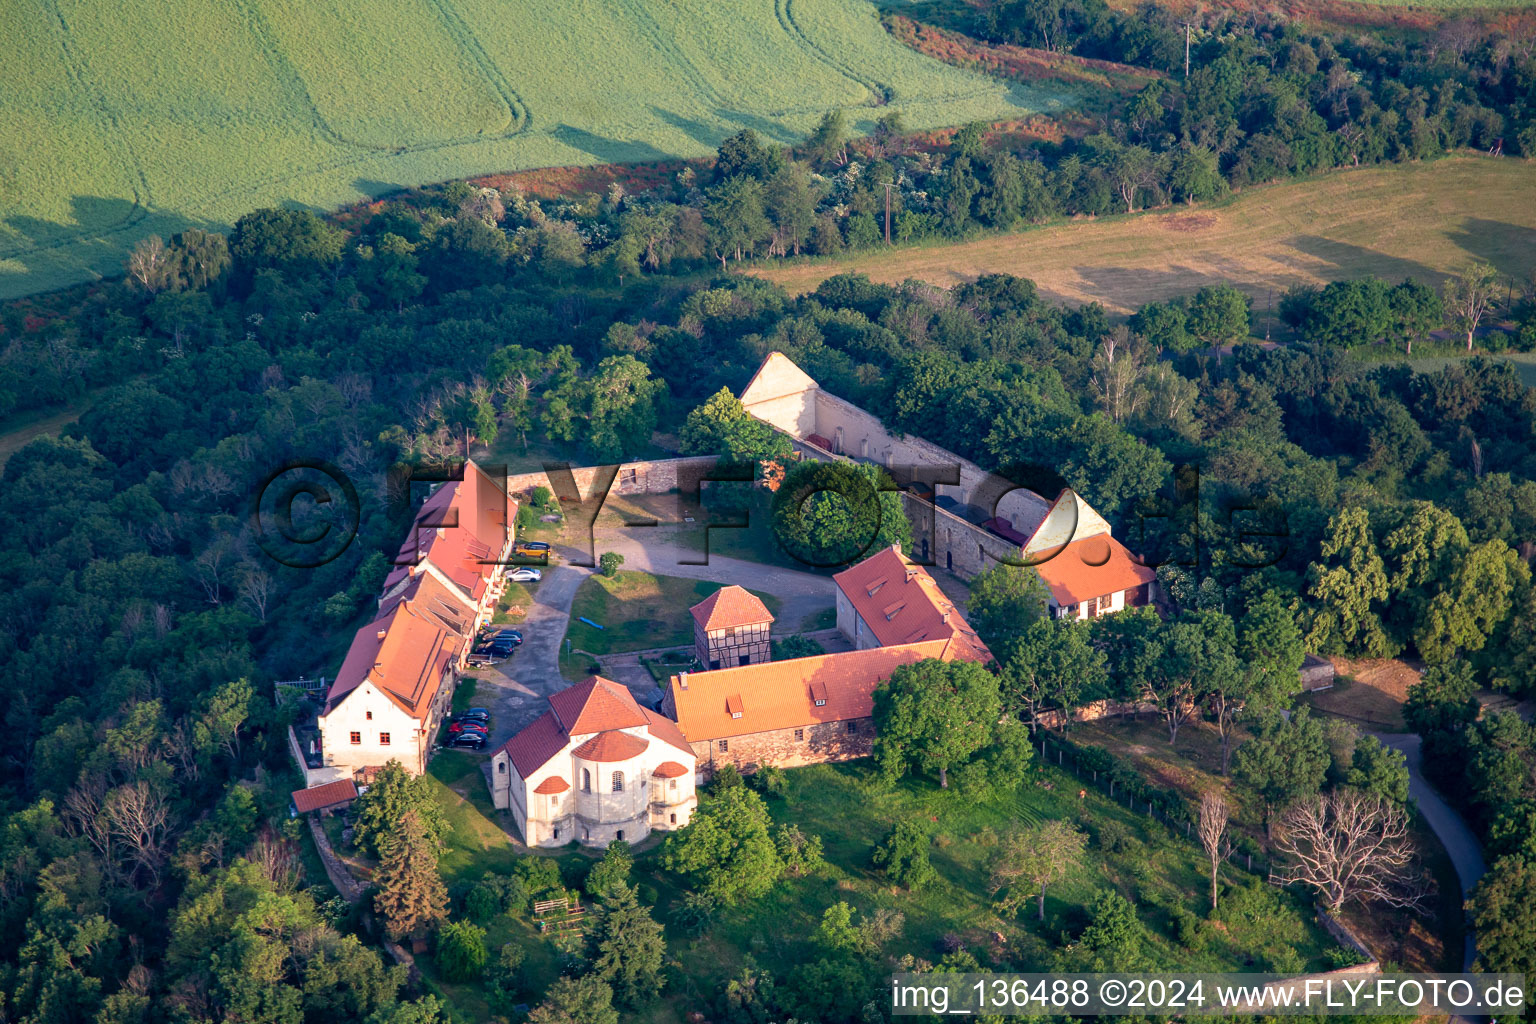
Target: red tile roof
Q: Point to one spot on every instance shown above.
(446, 606)
(596, 705)
(461, 529)
(404, 654)
(612, 746)
(901, 603)
(783, 694)
(531, 748)
(666, 730)
(318, 798)
(553, 784)
(1090, 568)
(730, 606)
(669, 770)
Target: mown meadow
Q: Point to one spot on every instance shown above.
(149, 116)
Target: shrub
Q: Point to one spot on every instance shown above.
(461, 951)
(796, 646)
(542, 497)
(506, 979)
(800, 853)
(1340, 957)
(772, 781)
(608, 563)
(1114, 837)
(904, 855)
(482, 903)
(1186, 927)
(612, 872)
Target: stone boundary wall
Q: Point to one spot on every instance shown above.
(657, 476)
(350, 888)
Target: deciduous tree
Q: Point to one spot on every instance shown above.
(934, 715)
(1033, 858)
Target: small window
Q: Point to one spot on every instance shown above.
(383, 739)
(714, 663)
(368, 715)
(735, 714)
(501, 767)
(557, 833)
(672, 785)
(725, 745)
(799, 735)
(820, 702)
(619, 835)
(357, 738)
(586, 780)
(674, 819)
(853, 726)
(618, 787)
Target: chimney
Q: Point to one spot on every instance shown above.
(682, 680)
(383, 633)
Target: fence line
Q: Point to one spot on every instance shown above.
(1104, 780)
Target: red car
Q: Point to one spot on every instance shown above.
(479, 727)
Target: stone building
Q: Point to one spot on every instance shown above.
(731, 627)
(964, 518)
(794, 712)
(593, 768)
(886, 600)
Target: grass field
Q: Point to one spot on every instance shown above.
(148, 116)
(16, 431)
(851, 812)
(1418, 220)
(625, 606)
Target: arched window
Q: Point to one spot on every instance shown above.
(618, 782)
(501, 766)
(586, 780)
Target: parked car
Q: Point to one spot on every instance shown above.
(502, 633)
(525, 574)
(463, 727)
(500, 648)
(476, 712)
(468, 741)
(532, 549)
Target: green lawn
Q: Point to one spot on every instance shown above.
(517, 595)
(638, 611)
(851, 811)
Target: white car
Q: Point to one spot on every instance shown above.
(525, 574)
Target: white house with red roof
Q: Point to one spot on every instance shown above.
(595, 767)
(396, 683)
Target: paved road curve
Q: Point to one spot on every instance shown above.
(1460, 844)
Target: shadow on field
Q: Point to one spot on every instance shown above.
(1510, 248)
(35, 253)
(609, 151)
(1357, 261)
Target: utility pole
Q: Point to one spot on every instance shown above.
(1186, 49)
(888, 186)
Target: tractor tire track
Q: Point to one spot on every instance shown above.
(127, 159)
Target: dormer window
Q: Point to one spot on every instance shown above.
(733, 705)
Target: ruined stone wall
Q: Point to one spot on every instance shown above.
(654, 477)
(826, 741)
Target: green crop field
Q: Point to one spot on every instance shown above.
(149, 116)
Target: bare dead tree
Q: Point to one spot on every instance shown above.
(257, 588)
(151, 265)
(83, 816)
(1213, 835)
(1117, 372)
(1348, 846)
(139, 815)
(208, 570)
